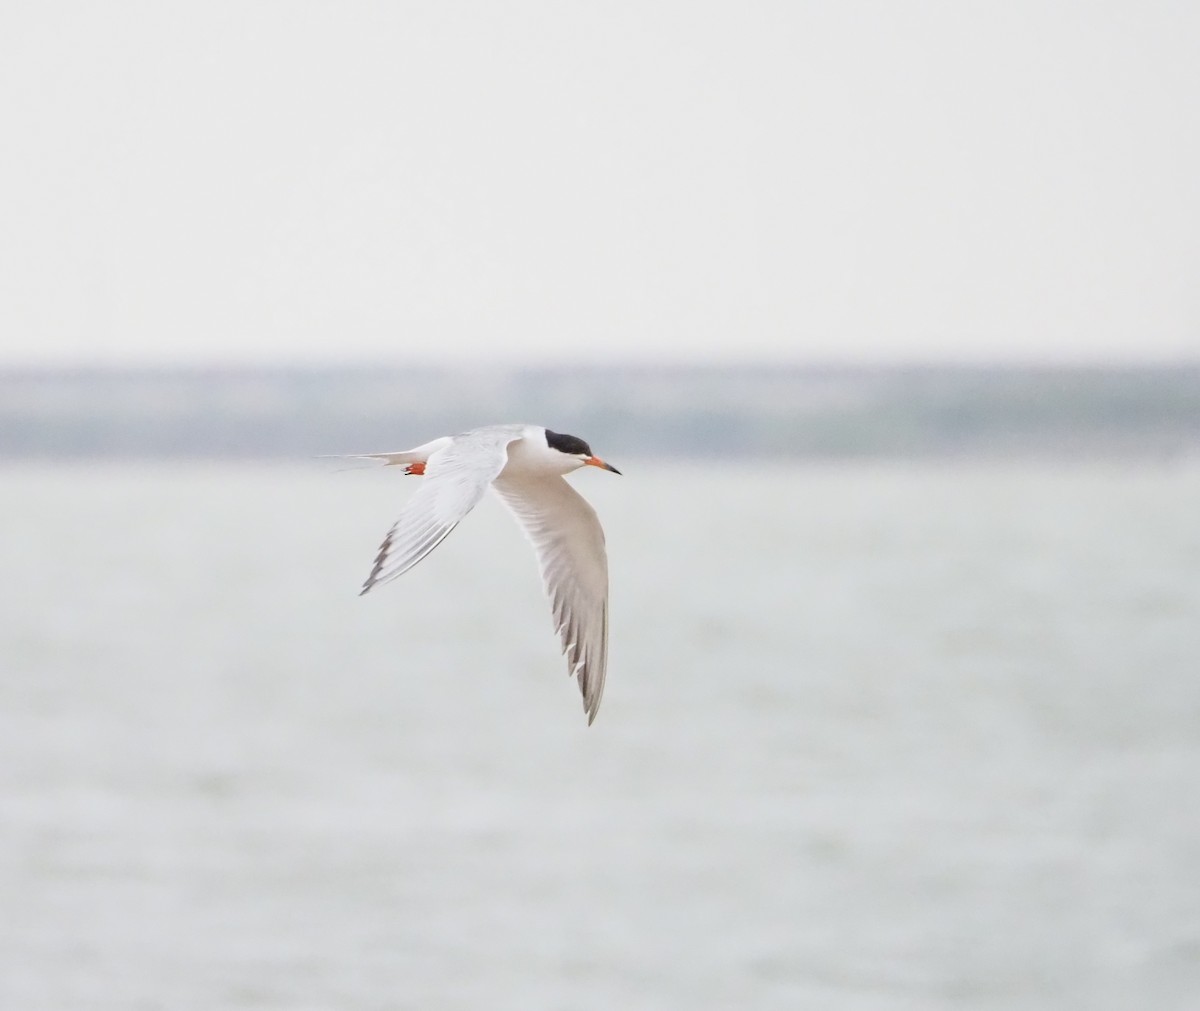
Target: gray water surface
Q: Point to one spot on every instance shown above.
(875, 737)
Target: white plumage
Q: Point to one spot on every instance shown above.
(524, 465)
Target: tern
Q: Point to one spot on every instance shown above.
(524, 465)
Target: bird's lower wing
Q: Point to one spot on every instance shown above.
(455, 478)
(569, 542)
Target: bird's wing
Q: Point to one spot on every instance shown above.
(456, 476)
(570, 547)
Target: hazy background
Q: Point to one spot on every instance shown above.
(888, 313)
(229, 182)
(877, 736)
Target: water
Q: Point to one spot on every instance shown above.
(875, 737)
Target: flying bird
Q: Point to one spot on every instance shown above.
(524, 465)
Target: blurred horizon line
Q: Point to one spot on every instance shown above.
(768, 410)
(586, 364)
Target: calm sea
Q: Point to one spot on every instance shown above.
(875, 737)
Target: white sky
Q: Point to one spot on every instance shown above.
(830, 181)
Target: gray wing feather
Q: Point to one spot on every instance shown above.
(456, 476)
(569, 542)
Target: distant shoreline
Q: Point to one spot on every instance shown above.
(787, 412)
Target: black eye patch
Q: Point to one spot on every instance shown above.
(567, 444)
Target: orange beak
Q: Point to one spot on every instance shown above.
(595, 461)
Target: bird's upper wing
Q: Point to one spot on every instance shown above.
(456, 476)
(570, 548)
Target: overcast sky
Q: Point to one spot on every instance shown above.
(836, 181)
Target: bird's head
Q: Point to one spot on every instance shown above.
(576, 448)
